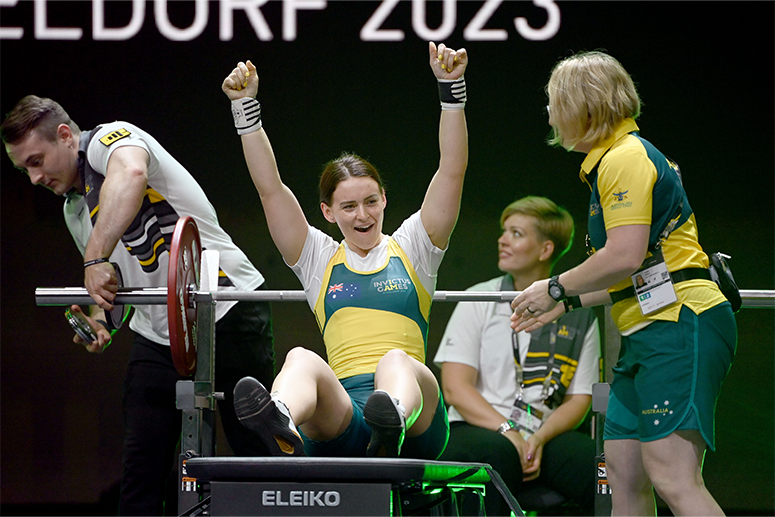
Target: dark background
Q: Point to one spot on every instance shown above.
(704, 71)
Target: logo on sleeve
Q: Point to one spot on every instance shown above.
(620, 200)
(115, 136)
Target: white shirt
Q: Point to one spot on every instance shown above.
(478, 334)
(169, 179)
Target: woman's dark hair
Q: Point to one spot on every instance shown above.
(347, 166)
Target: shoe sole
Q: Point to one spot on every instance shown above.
(258, 412)
(387, 429)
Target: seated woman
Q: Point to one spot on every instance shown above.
(515, 399)
(371, 293)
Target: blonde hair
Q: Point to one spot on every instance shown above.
(552, 221)
(590, 93)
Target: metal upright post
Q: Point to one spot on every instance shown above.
(600, 391)
(197, 399)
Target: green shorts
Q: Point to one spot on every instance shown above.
(669, 375)
(354, 441)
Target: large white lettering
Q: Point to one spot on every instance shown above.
(252, 10)
(174, 33)
(474, 31)
(290, 8)
(546, 32)
(448, 21)
(10, 32)
(301, 498)
(43, 31)
(373, 30)
(117, 33)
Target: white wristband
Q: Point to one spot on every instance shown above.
(452, 93)
(247, 115)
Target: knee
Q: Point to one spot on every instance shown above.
(300, 357)
(672, 488)
(627, 478)
(394, 358)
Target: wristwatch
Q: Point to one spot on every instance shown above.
(508, 425)
(556, 290)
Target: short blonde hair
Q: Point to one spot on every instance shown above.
(552, 221)
(590, 93)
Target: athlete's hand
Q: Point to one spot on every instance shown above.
(446, 62)
(241, 82)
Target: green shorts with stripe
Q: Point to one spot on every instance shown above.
(669, 376)
(354, 441)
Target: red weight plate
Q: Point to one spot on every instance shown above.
(182, 282)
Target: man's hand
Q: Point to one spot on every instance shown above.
(101, 282)
(103, 335)
(241, 82)
(447, 63)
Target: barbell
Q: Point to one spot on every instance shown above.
(183, 293)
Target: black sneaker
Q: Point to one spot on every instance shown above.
(385, 416)
(268, 417)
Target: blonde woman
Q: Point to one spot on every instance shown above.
(679, 337)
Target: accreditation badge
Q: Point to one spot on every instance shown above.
(528, 420)
(653, 285)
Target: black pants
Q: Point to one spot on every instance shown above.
(567, 464)
(243, 346)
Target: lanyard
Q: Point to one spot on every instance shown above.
(549, 365)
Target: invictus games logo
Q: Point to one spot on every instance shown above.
(620, 196)
(392, 285)
(329, 498)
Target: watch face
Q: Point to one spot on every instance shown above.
(555, 292)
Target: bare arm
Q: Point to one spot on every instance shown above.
(121, 196)
(621, 256)
(566, 417)
(285, 218)
(458, 383)
(442, 200)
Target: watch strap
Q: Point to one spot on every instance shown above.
(554, 282)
